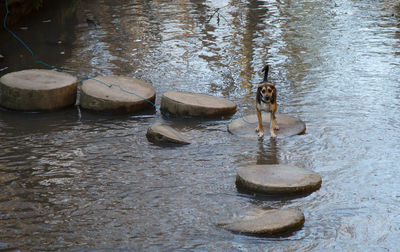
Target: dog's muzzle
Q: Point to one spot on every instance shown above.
(265, 99)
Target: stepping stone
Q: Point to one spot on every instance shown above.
(245, 127)
(117, 94)
(158, 133)
(268, 222)
(37, 90)
(191, 104)
(277, 179)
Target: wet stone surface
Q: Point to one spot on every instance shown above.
(191, 104)
(117, 94)
(288, 126)
(37, 89)
(268, 222)
(158, 133)
(277, 179)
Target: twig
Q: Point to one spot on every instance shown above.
(217, 11)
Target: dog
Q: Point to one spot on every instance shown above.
(266, 101)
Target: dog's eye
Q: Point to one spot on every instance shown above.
(263, 91)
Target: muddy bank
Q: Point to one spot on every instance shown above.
(20, 10)
(392, 6)
(46, 30)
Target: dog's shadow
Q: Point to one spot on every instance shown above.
(267, 153)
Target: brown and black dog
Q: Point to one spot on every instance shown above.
(266, 101)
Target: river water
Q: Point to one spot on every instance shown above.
(72, 180)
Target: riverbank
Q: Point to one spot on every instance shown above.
(21, 10)
(47, 33)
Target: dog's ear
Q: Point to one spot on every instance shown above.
(259, 88)
(258, 95)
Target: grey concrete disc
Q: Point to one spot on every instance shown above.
(126, 95)
(277, 179)
(245, 127)
(268, 222)
(37, 89)
(191, 104)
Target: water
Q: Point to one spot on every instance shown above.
(94, 182)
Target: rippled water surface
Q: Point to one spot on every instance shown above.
(89, 181)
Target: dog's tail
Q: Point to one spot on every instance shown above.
(265, 70)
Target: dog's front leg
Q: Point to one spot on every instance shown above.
(276, 126)
(260, 128)
(273, 125)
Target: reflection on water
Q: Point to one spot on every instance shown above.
(97, 183)
(48, 34)
(268, 152)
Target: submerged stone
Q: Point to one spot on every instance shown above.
(165, 134)
(201, 105)
(268, 222)
(118, 94)
(37, 89)
(277, 179)
(288, 126)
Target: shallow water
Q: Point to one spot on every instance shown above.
(89, 181)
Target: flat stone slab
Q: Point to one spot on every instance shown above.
(277, 179)
(201, 105)
(158, 133)
(288, 126)
(37, 89)
(268, 222)
(118, 94)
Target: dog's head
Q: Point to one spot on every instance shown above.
(266, 92)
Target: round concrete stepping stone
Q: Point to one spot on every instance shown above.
(191, 104)
(288, 126)
(37, 89)
(268, 222)
(165, 134)
(277, 179)
(117, 94)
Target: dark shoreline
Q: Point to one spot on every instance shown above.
(21, 10)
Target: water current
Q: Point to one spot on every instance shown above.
(85, 181)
